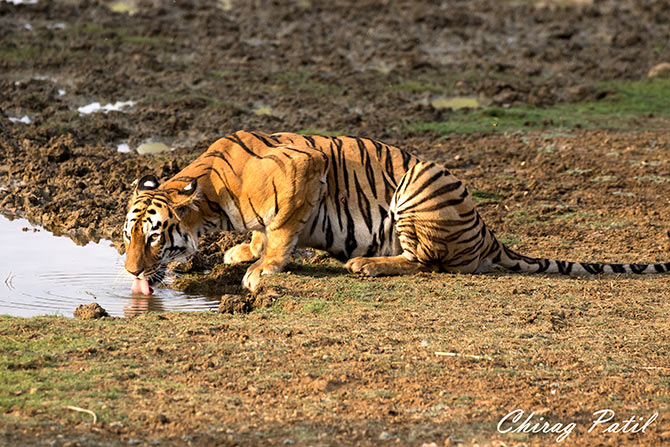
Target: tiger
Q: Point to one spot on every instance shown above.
(376, 207)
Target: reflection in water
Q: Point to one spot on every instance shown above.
(140, 304)
(43, 274)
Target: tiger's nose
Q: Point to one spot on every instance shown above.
(135, 273)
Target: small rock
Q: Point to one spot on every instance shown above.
(580, 92)
(90, 311)
(506, 97)
(160, 418)
(323, 385)
(661, 70)
(384, 436)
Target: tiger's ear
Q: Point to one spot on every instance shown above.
(146, 183)
(188, 199)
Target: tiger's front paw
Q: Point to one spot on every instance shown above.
(252, 278)
(239, 253)
(361, 265)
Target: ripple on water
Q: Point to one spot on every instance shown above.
(44, 274)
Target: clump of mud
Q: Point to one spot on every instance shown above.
(241, 304)
(90, 311)
(235, 304)
(223, 279)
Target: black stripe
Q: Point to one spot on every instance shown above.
(543, 265)
(378, 147)
(406, 157)
(564, 268)
(350, 243)
(237, 140)
(389, 189)
(443, 190)
(419, 189)
(389, 163)
(363, 204)
(618, 268)
(278, 161)
(236, 202)
(418, 173)
(297, 150)
(594, 269)
(443, 204)
(329, 233)
(365, 161)
(383, 213)
(316, 219)
(372, 248)
(169, 232)
(345, 175)
(336, 185)
(274, 188)
(220, 156)
(262, 139)
(638, 268)
(258, 217)
(310, 139)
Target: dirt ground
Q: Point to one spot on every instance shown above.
(330, 359)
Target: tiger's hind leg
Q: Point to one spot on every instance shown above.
(247, 252)
(436, 225)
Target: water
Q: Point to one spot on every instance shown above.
(96, 107)
(455, 103)
(44, 274)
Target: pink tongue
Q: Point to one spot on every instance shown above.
(141, 286)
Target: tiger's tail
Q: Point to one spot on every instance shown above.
(517, 262)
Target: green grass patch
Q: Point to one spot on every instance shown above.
(17, 54)
(316, 306)
(509, 239)
(479, 196)
(621, 109)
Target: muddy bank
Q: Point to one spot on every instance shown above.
(193, 72)
(72, 188)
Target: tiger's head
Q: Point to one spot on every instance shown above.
(159, 228)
